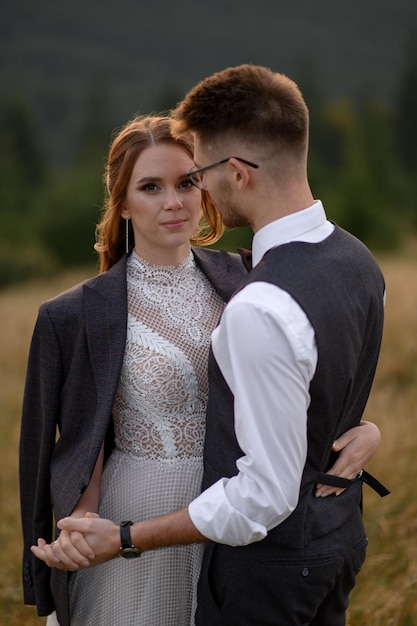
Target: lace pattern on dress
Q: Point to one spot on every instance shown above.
(159, 409)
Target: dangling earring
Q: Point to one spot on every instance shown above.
(127, 233)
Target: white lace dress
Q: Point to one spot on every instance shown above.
(156, 467)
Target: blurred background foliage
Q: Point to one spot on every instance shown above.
(70, 75)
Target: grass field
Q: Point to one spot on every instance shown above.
(386, 593)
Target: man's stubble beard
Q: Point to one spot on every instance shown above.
(232, 218)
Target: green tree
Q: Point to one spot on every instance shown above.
(23, 175)
(22, 161)
(93, 127)
(68, 212)
(67, 218)
(368, 194)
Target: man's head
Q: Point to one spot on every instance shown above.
(254, 114)
(246, 103)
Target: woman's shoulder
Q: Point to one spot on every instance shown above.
(99, 282)
(72, 298)
(222, 258)
(224, 269)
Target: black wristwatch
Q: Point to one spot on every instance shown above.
(127, 549)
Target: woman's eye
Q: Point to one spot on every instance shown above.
(149, 187)
(186, 184)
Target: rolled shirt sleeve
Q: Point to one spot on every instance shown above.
(265, 348)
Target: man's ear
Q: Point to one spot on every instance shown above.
(241, 173)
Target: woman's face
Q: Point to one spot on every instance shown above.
(164, 206)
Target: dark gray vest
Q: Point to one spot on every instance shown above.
(340, 287)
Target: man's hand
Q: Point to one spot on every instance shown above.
(92, 537)
(71, 551)
(90, 540)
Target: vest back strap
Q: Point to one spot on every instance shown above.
(345, 483)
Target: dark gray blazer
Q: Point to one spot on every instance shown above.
(73, 371)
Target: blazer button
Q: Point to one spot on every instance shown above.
(27, 573)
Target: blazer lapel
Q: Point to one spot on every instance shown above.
(224, 270)
(105, 309)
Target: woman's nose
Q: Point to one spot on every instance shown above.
(172, 200)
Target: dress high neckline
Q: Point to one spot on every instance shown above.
(141, 263)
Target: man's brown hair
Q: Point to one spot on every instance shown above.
(247, 102)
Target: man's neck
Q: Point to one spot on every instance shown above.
(277, 204)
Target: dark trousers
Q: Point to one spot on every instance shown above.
(266, 585)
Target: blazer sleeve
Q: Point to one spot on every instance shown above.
(38, 432)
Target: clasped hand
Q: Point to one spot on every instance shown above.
(91, 540)
(82, 542)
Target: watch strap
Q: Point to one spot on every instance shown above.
(125, 538)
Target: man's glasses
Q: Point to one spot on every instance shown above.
(197, 175)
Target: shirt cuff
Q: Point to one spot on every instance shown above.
(215, 518)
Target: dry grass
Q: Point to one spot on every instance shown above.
(386, 591)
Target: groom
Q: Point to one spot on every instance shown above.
(291, 367)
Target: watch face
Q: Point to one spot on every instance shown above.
(129, 553)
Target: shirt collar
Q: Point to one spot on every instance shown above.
(310, 225)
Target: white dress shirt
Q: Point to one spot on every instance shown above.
(266, 350)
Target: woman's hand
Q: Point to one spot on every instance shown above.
(70, 551)
(356, 446)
